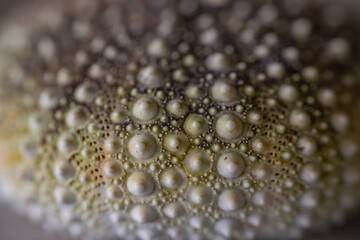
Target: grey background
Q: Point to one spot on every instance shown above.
(16, 227)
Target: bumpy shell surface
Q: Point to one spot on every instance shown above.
(210, 119)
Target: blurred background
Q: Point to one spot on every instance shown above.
(16, 227)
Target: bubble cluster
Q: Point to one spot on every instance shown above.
(202, 119)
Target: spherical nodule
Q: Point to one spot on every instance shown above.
(76, 117)
(143, 214)
(224, 92)
(172, 178)
(67, 143)
(111, 168)
(177, 107)
(176, 143)
(229, 126)
(197, 161)
(231, 200)
(174, 210)
(112, 145)
(230, 164)
(140, 184)
(145, 109)
(200, 195)
(191, 119)
(63, 170)
(142, 146)
(195, 124)
(151, 77)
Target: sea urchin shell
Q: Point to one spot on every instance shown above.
(211, 119)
